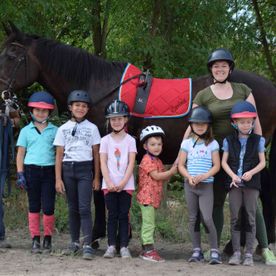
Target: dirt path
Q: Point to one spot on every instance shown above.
(19, 261)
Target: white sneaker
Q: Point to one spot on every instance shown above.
(110, 252)
(124, 252)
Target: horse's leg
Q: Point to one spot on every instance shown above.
(99, 228)
(272, 182)
(267, 203)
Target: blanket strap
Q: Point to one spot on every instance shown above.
(143, 92)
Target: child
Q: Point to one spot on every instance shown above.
(149, 195)
(36, 168)
(199, 161)
(117, 155)
(77, 144)
(242, 160)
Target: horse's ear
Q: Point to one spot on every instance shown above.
(6, 28)
(13, 28)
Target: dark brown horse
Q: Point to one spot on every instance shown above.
(60, 68)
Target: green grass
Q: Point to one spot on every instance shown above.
(171, 217)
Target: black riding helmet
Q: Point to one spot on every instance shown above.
(78, 96)
(116, 108)
(200, 114)
(221, 54)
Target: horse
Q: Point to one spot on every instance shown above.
(61, 68)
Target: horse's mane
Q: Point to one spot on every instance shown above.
(74, 64)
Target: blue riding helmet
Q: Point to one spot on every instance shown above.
(116, 109)
(200, 114)
(243, 109)
(41, 99)
(78, 96)
(221, 54)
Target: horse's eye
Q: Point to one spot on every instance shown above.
(11, 53)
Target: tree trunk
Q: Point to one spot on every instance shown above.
(100, 27)
(263, 39)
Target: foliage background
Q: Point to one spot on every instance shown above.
(172, 38)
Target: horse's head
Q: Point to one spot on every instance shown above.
(18, 67)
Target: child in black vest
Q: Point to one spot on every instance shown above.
(242, 160)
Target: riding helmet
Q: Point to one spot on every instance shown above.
(151, 131)
(221, 54)
(116, 108)
(41, 99)
(200, 114)
(78, 96)
(243, 109)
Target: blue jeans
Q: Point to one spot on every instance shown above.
(41, 188)
(118, 205)
(77, 178)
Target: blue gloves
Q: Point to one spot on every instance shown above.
(21, 181)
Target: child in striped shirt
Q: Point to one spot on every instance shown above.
(198, 162)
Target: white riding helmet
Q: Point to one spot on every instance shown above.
(151, 131)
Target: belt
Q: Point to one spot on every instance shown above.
(77, 163)
(39, 167)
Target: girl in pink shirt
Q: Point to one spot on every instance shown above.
(117, 156)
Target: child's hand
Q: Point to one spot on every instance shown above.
(96, 184)
(120, 187)
(199, 178)
(191, 181)
(247, 176)
(235, 181)
(60, 187)
(111, 187)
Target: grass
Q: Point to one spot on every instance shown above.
(171, 217)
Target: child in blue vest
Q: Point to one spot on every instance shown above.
(242, 160)
(36, 168)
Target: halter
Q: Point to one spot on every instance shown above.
(6, 94)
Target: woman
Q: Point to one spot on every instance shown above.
(219, 98)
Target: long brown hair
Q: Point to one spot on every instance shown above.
(208, 136)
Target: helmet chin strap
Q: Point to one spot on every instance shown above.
(200, 136)
(151, 154)
(40, 122)
(77, 121)
(118, 131)
(237, 128)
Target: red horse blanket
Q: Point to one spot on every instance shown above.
(168, 98)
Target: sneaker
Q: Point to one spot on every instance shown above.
(87, 252)
(215, 257)
(47, 244)
(197, 256)
(269, 257)
(36, 245)
(151, 256)
(110, 252)
(124, 252)
(235, 259)
(4, 244)
(73, 249)
(248, 260)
